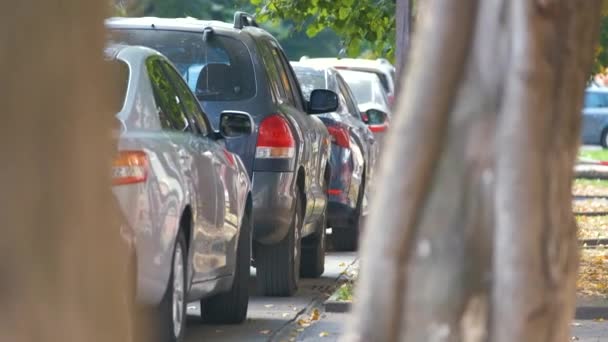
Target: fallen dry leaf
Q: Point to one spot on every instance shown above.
(304, 323)
(315, 315)
(286, 314)
(324, 334)
(593, 273)
(342, 264)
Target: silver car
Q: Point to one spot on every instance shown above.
(187, 198)
(371, 99)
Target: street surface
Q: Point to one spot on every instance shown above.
(268, 318)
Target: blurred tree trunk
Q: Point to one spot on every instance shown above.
(471, 235)
(61, 257)
(403, 19)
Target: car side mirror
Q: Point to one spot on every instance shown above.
(322, 101)
(235, 124)
(377, 120)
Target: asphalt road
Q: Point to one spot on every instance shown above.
(269, 317)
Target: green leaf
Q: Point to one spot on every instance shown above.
(343, 13)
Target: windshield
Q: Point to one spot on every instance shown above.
(360, 84)
(310, 79)
(595, 99)
(219, 69)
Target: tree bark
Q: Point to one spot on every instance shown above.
(61, 256)
(481, 245)
(403, 21)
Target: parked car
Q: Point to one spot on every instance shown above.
(380, 67)
(187, 199)
(595, 117)
(240, 66)
(353, 154)
(371, 99)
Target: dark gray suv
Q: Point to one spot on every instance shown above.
(240, 67)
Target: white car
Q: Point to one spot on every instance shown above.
(371, 99)
(381, 67)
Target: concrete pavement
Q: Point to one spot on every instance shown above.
(267, 317)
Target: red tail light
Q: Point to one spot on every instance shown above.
(378, 128)
(130, 167)
(275, 139)
(339, 136)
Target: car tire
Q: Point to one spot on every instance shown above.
(312, 264)
(346, 239)
(604, 141)
(231, 307)
(172, 308)
(278, 265)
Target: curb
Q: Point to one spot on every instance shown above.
(332, 304)
(582, 312)
(591, 312)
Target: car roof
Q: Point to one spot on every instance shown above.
(597, 89)
(361, 75)
(179, 24)
(350, 62)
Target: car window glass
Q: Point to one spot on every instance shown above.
(293, 81)
(361, 87)
(189, 102)
(283, 77)
(594, 99)
(272, 69)
(310, 79)
(170, 111)
(217, 69)
(352, 107)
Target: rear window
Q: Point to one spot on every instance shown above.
(361, 87)
(310, 79)
(219, 69)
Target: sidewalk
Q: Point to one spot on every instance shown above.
(588, 329)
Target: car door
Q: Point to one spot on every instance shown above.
(368, 142)
(595, 117)
(316, 139)
(208, 252)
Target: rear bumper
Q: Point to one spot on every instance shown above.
(273, 205)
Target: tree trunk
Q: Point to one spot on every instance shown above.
(482, 244)
(403, 19)
(61, 256)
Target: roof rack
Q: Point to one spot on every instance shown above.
(243, 19)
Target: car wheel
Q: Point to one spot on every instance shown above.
(313, 251)
(312, 264)
(347, 238)
(278, 265)
(173, 305)
(604, 141)
(231, 307)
